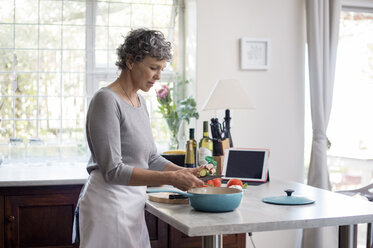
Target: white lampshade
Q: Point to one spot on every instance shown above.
(228, 94)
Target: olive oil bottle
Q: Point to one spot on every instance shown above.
(190, 161)
(205, 145)
(191, 137)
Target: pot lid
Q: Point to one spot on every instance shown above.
(288, 199)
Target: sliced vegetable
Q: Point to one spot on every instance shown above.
(203, 172)
(210, 169)
(209, 166)
(234, 181)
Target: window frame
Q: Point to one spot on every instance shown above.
(93, 74)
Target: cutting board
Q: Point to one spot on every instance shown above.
(163, 197)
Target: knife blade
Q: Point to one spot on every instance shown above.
(210, 177)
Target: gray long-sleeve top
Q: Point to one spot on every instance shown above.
(120, 137)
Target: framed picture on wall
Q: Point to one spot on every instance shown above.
(254, 54)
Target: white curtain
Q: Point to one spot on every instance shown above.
(322, 38)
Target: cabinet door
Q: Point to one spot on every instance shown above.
(39, 220)
(234, 240)
(158, 233)
(180, 240)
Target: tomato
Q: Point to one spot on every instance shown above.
(214, 182)
(234, 181)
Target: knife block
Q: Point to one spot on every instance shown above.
(219, 164)
(224, 144)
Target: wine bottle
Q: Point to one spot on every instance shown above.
(190, 161)
(191, 137)
(205, 145)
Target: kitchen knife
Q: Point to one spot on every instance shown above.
(210, 177)
(177, 196)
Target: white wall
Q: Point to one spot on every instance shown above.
(277, 122)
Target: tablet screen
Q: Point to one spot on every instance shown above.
(245, 164)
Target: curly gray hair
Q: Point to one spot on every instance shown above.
(140, 43)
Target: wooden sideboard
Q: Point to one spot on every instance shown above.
(38, 216)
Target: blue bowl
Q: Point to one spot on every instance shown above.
(215, 199)
(209, 199)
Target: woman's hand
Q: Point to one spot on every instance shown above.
(186, 179)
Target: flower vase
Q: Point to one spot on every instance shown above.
(174, 143)
(176, 134)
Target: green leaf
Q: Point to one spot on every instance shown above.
(176, 111)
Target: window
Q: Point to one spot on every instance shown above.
(53, 60)
(350, 129)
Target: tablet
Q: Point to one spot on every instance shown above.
(246, 164)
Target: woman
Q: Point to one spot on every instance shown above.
(124, 157)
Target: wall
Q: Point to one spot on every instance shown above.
(277, 122)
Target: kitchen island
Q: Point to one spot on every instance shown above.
(253, 215)
(37, 203)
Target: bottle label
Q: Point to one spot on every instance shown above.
(203, 152)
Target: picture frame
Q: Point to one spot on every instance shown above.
(254, 54)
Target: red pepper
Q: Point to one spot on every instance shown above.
(217, 182)
(214, 182)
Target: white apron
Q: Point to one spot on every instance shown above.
(112, 216)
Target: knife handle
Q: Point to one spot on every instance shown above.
(177, 196)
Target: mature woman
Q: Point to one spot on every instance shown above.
(124, 157)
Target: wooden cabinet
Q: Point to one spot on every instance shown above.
(43, 216)
(178, 239)
(38, 216)
(1, 221)
(158, 231)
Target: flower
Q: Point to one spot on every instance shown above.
(174, 111)
(163, 92)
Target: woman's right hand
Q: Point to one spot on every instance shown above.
(186, 179)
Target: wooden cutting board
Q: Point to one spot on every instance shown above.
(163, 197)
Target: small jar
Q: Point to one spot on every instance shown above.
(35, 150)
(17, 149)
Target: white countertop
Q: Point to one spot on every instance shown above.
(253, 215)
(42, 174)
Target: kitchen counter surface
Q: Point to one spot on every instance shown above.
(253, 215)
(42, 174)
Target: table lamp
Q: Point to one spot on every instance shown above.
(227, 94)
